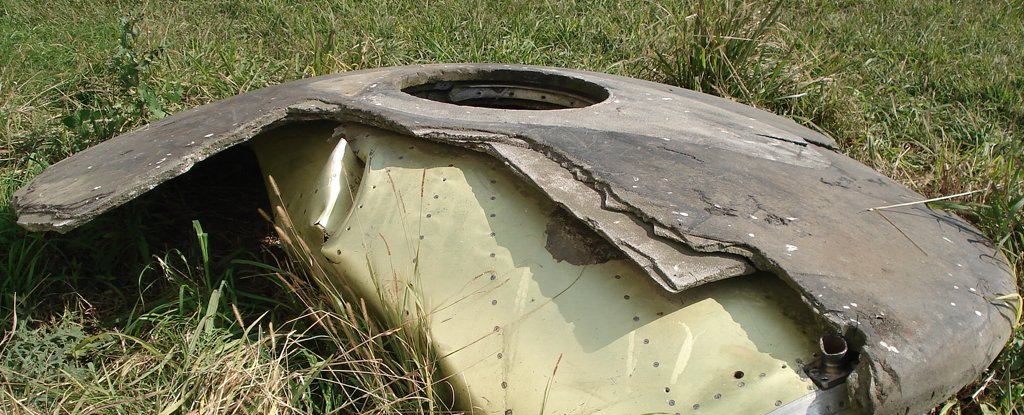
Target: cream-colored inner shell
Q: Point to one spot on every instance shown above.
(456, 239)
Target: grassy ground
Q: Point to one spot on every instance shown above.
(145, 312)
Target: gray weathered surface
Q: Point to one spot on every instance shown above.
(715, 175)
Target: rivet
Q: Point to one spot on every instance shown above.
(493, 254)
(494, 302)
(671, 402)
(667, 389)
(339, 252)
(741, 384)
(493, 198)
(421, 237)
(428, 215)
(493, 215)
(626, 296)
(718, 396)
(647, 341)
(493, 277)
(778, 403)
(499, 355)
(503, 386)
(435, 196)
(738, 374)
(497, 329)
(656, 364)
(618, 277)
(696, 406)
(636, 318)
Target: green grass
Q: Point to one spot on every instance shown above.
(139, 318)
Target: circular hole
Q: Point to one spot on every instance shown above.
(508, 89)
(833, 345)
(738, 374)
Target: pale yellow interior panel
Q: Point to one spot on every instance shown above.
(453, 237)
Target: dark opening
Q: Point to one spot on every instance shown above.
(833, 345)
(509, 89)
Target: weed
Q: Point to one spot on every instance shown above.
(102, 107)
(33, 358)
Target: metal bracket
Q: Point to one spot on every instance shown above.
(832, 367)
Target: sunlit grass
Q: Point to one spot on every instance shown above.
(931, 94)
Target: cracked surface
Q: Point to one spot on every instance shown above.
(716, 176)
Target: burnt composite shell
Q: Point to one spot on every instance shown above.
(911, 288)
